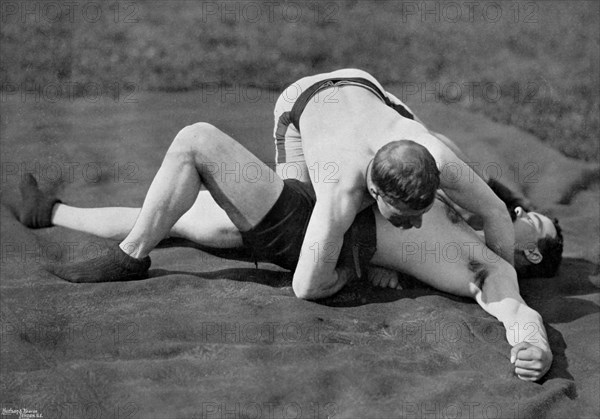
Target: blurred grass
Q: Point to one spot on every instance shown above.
(541, 67)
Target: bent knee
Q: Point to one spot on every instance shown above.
(191, 139)
(197, 130)
(195, 135)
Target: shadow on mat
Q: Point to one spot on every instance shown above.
(360, 293)
(547, 295)
(560, 363)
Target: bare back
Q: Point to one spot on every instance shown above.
(342, 129)
(347, 130)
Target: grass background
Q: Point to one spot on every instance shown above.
(539, 60)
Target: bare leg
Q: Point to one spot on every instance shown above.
(244, 187)
(205, 223)
(239, 182)
(108, 222)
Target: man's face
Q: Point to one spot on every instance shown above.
(401, 215)
(529, 228)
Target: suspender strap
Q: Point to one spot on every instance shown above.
(305, 96)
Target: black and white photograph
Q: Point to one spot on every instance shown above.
(305, 209)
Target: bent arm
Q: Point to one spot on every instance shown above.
(468, 190)
(316, 275)
(510, 197)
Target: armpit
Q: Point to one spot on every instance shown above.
(451, 212)
(480, 273)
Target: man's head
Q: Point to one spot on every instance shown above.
(403, 179)
(538, 244)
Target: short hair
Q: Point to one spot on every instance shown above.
(406, 172)
(551, 249)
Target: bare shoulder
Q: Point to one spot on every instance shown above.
(342, 189)
(440, 151)
(336, 165)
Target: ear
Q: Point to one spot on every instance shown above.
(534, 256)
(373, 193)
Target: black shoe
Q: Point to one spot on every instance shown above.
(112, 265)
(36, 207)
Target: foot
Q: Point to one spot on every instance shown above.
(112, 265)
(36, 207)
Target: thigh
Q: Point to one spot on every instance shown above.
(240, 183)
(207, 224)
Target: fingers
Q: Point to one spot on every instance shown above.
(529, 365)
(529, 361)
(384, 278)
(533, 371)
(530, 354)
(384, 281)
(376, 280)
(516, 349)
(528, 375)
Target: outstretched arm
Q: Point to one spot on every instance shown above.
(499, 296)
(473, 273)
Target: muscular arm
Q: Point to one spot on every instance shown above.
(468, 190)
(510, 197)
(316, 275)
(499, 296)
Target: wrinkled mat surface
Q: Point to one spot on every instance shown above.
(212, 337)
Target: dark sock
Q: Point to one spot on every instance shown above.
(36, 207)
(112, 265)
